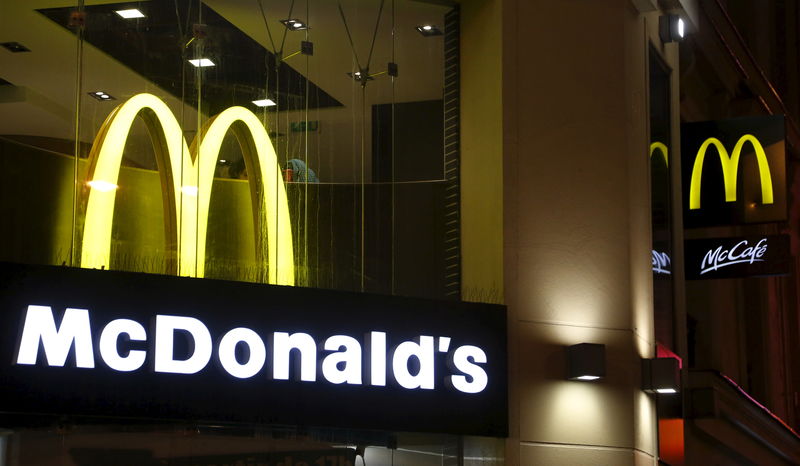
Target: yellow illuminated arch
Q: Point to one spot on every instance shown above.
(730, 169)
(662, 148)
(186, 178)
(266, 187)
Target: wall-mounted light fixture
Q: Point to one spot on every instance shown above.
(586, 362)
(671, 28)
(661, 375)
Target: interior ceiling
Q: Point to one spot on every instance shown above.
(137, 55)
(155, 48)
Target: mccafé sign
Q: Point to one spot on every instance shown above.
(735, 171)
(187, 174)
(738, 257)
(90, 343)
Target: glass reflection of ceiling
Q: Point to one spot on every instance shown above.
(154, 47)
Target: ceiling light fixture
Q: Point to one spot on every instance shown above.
(132, 13)
(15, 47)
(294, 24)
(202, 62)
(102, 96)
(428, 30)
(264, 103)
(360, 76)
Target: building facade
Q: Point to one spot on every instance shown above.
(459, 196)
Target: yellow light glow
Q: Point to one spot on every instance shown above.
(191, 209)
(189, 190)
(730, 169)
(662, 148)
(265, 162)
(102, 186)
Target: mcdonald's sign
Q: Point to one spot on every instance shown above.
(187, 174)
(734, 171)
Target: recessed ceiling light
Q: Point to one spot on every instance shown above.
(15, 47)
(102, 95)
(132, 13)
(202, 62)
(295, 24)
(264, 102)
(428, 30)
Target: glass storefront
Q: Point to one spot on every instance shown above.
(350, 95)
(311, 143)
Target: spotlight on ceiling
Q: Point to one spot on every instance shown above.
(264, 103)
(295, 24)
(202, 62)
(132, 13)
(15, 47)
(428, 30)
(102, 95)
(671, 28)
(586, 362)
(360, 76)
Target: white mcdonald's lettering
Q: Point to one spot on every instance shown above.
(186, 179)
(730, 169)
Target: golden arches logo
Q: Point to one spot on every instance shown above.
(662, 149)
(186, 178)
(730, 169)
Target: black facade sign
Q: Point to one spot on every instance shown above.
(90, 343)
(738, 257)
(734, 171)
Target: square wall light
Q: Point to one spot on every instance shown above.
(661, 375)
(586, 362)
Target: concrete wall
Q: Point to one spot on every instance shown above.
(575, 217)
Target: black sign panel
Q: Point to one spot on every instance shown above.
(106, 456)
(101, 343)
(734, 171)
(739, 257)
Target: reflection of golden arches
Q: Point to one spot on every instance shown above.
(662, 148)
(186, 219)
(730, 169)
